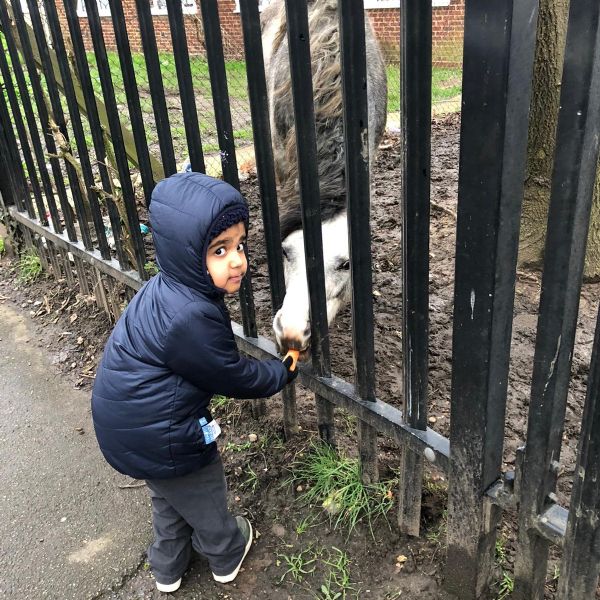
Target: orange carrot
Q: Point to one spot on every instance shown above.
(294, 354)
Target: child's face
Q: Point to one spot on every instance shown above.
(226, 260)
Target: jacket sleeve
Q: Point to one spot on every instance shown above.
(201, 348)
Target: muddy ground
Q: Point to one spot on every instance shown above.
(381, 564)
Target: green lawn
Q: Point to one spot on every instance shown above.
(446, 83)
(235, 71)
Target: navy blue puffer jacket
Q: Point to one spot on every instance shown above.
(173, 347)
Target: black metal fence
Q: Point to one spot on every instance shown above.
(85, 215)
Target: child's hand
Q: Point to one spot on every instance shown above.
(289, 362)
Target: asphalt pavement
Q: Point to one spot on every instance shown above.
(70, 527)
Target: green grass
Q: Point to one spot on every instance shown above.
(446, 83)
(2, 246)
(506, 586)
(437, 535)
(235, 71)
(30, 266)
(151, 268)
(328, 569)
(233, 447)
(337, 581)
(335, 483)
(298, 565)
(506, 583)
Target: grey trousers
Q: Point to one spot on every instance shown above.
(191, 512)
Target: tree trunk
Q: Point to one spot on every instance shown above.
(552, 27)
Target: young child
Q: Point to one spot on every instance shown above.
(170, 351)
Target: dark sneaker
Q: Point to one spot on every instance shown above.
(167, 588)
(246, 528)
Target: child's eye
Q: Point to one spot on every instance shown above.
(220, 251)
(241, 246)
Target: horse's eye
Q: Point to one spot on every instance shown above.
(285, 256)
(344, 265)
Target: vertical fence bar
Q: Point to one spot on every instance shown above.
(59, 130)
(76, 124)
(218, 84)
(31, 121)
(580, 564)
(415, 89)
(220, 96)
(44, 119)
(499, 47)
(186, 86)
(15, 190)
(263, 152)
(308, 182)
(356, 149)
(306, 144)
(13, 148)
(128, 196)
(157, 91)
(133, 98)
(8, 197)
(573, 177)
(97, 131)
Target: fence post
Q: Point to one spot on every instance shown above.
(581, 554)
(416, 158)
(263, 152)
(498, 60)
(298, 38)
(575, 164)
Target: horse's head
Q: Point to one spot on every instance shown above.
(292, 321)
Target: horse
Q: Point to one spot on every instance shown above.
(291, 323)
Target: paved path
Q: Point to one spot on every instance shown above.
(67, 530)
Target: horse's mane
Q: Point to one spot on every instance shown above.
(328, 106)
(291, 219)
(327, 93)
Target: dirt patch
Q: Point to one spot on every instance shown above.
(374, 568)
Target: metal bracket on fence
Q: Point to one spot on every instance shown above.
(502, 492)
(552, 524)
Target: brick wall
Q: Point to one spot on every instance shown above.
(193, 29)
(447, 31)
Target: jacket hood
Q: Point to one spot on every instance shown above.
(183, 210)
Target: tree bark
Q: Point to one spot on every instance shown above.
(552, 27)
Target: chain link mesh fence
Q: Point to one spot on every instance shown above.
(446, 76)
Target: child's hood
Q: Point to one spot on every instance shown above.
(182, 211)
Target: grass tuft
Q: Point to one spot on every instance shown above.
(30, 266)
(334, 482)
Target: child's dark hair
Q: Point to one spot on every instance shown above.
(237, 214)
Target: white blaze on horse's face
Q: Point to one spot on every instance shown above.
(292, 321)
